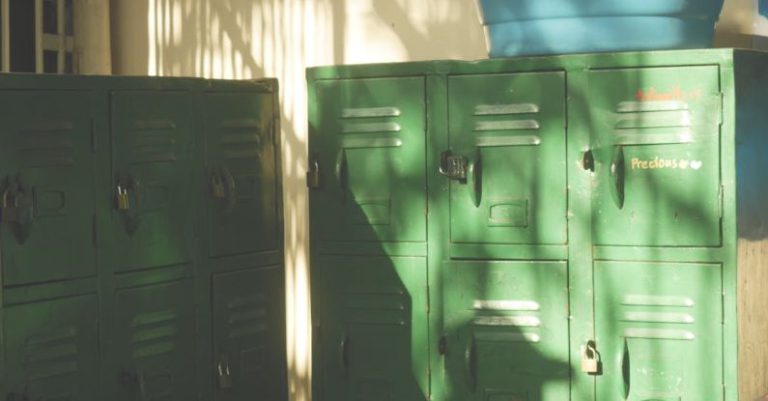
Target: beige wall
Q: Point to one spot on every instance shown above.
(280, 38)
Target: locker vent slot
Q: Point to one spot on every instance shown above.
(656, 300)
(246, 317)
(659, 334)
(508, 337)
(367, 143)
(654, 119)
(506, 125)
(505, 305)
(376, 306)
(47, 144)
(52, 354)
(154, 141)
(517, 140)
(504, 109)
(369, 112)
(154, 333)
(519, 321)
(241, 139)
(658, 317)
(370, 128)
(640, 106)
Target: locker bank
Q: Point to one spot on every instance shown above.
(584, 227)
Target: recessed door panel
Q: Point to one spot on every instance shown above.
(373, 328)
(656, 140)
(151, 144)
(241, 182)
(506, 330)
(46, 186)
(51, 350)
(154, 342)
(510, 131)
(368, 143)
(659, 331)
(249, 335)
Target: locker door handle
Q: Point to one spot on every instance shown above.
(475, 179)
(618, 175)
(470, 359)
(344, 354)
(625, 369)
(342, 173)
(128, 198)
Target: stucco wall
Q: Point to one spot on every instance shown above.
(280, 38)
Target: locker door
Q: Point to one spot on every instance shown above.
(506, 330)
(249, 335)
(367, 140)
(510, 131)
(46, 170)
(51, 350)
(659, 331)
(154, 342)
(373, 328)
(241, 145)
(151, 144)
(655, 138)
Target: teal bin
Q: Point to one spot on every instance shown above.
(532, 27)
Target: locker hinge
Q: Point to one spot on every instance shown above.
(93, 135)
(721, 115)
(720, 196)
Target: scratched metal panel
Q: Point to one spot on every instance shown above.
(46, 170)
(154, 342)
(152, 137)
(51, 350)
(249, 334)
(659, 330)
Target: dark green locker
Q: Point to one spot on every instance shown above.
(47, 186)
(242, 143)
(623, 191)
(152, 138)
(154, 341)
(51, 350)
(248, 334)
(106, 192)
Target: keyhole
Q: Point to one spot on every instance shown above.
(588, 161)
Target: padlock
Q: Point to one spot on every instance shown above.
(123, 203)
(590, 359)
(313, 175)
(224, 375)
(217, 187)
(10, 208)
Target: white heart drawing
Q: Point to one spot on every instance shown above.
(696, 164)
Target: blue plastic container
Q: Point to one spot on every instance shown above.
(528, 27)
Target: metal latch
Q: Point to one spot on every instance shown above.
(123, 202)
(313, 175)
(453, 167)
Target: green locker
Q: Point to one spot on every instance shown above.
(152, 157)
(107, 217)
(595, 225)
(46, 152)
(249, 329)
